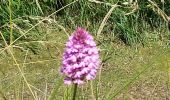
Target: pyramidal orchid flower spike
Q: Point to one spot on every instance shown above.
(81, 58)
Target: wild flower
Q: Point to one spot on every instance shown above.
(81, 58)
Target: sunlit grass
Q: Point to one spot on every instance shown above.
(123, 69)
(137, 69)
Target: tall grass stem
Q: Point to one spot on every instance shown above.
(11, 25)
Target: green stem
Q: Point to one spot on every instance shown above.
(10, 20)
(75, 91)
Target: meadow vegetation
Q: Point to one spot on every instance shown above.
(133, 38)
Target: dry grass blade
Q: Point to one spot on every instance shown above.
(25, 58)
(41, 42)
(38, 89)
(99, 2)
(159, 11)
(42, 61)
(135, 7)
(18, 47)
(20, 30)
(105, 19)
(39, 7)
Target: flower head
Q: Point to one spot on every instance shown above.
(81, 58)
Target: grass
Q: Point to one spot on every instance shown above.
(136, 68)
(127, 72)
